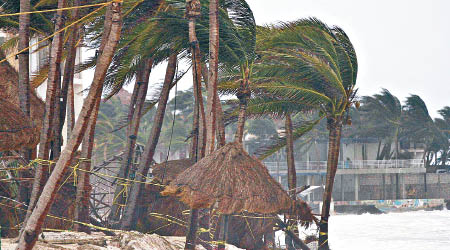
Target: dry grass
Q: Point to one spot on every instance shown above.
(233, 179)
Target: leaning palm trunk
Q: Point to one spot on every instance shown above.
(81, 213)
(34, 224)
(334, 142)
(243, 95)
(129, 216)
(50, 101)
(24, 82)
(67, 94)
(134, 116)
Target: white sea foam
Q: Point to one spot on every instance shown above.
(421, 230)
(409, 230)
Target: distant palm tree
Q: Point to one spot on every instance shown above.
(419, 127)
(382, 116)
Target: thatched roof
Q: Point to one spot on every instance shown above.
(165, 172)
(16, 130)
(9, 90)
(234, 179)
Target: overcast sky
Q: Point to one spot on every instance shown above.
(402, 45)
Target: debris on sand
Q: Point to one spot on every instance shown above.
(99, 241)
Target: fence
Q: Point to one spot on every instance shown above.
(367, 164)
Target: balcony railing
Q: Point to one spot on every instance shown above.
(367, 164)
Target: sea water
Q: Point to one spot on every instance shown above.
(418, 230)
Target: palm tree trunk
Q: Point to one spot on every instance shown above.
(219, 111)
(334, 143)
(67, 94)
(81, 213)
(193, 11)
(56, 141)
(24, 83)
(129, 216)
(212, 76)
(378, 149)
(50, 101)
(292, 175)
(243, 96)
(33, 226)
(134, 116)
(24, 74)
(70, 108)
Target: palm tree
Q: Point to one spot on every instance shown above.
(129, 213)
(33, 226)
(24, 80)
(310, 63)
(419, 127)
(212, 76)
(50, 103)
(67, 92)
(382, 115)
(83, 194)
(134, 116)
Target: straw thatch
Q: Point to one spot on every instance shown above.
(9, 90)
(233, 179)
(153, 202)
(167, 171)
(246, 230)
(16, 130)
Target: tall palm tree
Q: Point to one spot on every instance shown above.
(67, 92)
(34, 224)
(212, 76)
(24, 80)
(130, 209)
(50, 103)
(134, 116)
(310, 63)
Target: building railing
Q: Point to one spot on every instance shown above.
(367, 164)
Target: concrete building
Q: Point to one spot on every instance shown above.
(361, 176)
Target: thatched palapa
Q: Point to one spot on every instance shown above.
(233, 179)
(153, 202)
(9, 90)
(165, 172)
(16, 130)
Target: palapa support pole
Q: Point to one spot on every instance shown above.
(283, 226)
(193, 224)
(223, 232)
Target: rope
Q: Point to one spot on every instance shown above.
(75, 167)
(53, 10)
(55, 33)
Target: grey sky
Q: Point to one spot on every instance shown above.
(402, 45)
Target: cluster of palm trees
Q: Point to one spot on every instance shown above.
(301, 68)
(382, 116)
